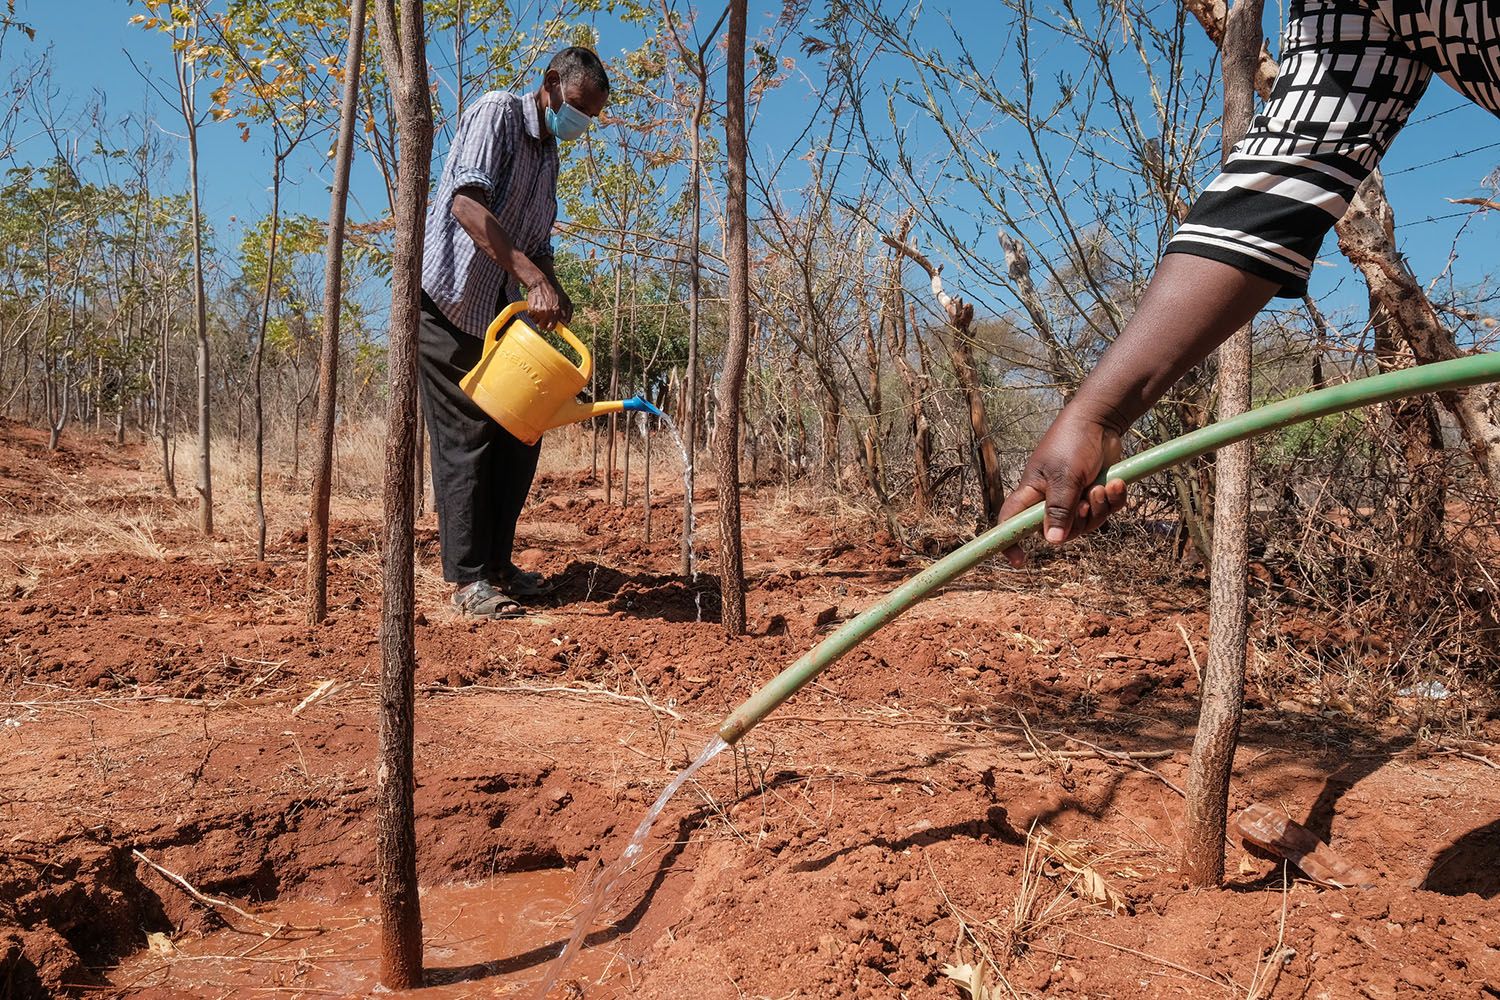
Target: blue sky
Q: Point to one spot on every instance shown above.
(93, 45)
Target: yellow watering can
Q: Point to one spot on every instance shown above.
(527, 386)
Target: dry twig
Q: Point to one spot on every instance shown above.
(1224, 984)
(1268, 973)
(576, 692)
(214, 901)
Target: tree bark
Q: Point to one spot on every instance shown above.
(917, 384)
(689, 429)
(328, 356)
(611, 424)
(404, 56)
(259, 360)
(1223, 693)
(987, 457)
(737, 347)
(186, 93)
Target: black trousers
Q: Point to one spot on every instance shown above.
(481, 472)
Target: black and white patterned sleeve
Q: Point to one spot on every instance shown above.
(1346, 88)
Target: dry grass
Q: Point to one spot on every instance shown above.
(1268, 970)
(1041, 902)
(133, 514)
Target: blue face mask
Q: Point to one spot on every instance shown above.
(569, 123)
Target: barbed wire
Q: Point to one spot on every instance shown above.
(1439, 114)
(1443, 159)
(1438, 218)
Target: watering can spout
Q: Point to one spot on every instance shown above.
(639, 404)
(573, 411)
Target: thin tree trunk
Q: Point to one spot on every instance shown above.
(893, 321)
(987, 457)
(690, 410)
(1321, 347)
(1063, 371)
(126, 339)
(646, 476)
(625, 472)
(874, 467)
(1223, 694)
(328, 356)
(297, 442)
(625, 421)
(69, 391)
(258, 364)
(405, 61)
(737, 347)
(164, 427)
(917, 383)
(614, 374)
(26, 374)
(186, 92)
(594, 427)
(419, 465)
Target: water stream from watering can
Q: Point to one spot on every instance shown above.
(604, 884)
(687, 492)
(687, 486)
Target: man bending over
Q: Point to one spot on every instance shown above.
(489, 233)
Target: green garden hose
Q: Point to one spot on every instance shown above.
(1456, 374)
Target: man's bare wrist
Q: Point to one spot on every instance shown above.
(530, 275)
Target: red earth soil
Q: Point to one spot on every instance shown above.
(871, 833)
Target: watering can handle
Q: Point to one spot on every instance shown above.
(510, 312)
(585, 359)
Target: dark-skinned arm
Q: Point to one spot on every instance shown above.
(1191, 306)
(565, 302)
(542, 300)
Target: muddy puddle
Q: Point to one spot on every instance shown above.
(492, 939)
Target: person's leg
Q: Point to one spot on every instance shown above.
(512, 467)
(461, 437)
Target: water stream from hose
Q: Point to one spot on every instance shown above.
(606, 880)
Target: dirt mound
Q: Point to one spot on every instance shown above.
(68, 913)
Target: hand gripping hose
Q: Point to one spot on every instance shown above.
(1456, 374)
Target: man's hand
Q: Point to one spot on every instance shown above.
(565, 304)
(1062, 471)
(544, 304)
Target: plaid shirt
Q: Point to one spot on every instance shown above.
(499, 149)
(1351, 73)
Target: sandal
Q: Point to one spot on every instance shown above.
(482, 599)
(523, 583)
